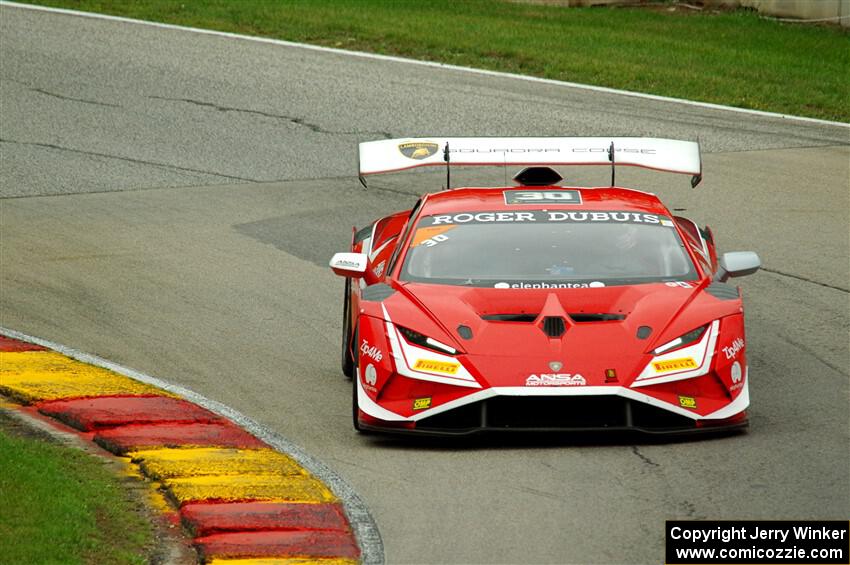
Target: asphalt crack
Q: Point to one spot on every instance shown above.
(393, 191)
(810, 351)
(804, 279)
(643, 457)
(690, 509)
(80, 100)
(316, 128)
(127, 159)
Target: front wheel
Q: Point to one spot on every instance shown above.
(355, 405)
(347, 360)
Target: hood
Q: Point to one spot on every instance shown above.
(601, 329)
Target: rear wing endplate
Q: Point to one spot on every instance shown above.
(669, 155)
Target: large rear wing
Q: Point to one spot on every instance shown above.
(669, 155)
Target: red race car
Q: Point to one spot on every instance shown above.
(539, 306)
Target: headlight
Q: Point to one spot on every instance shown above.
(421, 340)
(692, 336)
(685, 357)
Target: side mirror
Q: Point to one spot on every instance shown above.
(737, 264)
(349, 264)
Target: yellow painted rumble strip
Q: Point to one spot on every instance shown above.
(284, 561)
(32, 376)
(172, 463)
(297, 488)
(154, 497)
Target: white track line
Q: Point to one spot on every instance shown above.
(425, 64)
(364, 526)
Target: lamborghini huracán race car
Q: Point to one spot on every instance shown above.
(540, 306)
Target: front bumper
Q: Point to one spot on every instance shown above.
(555, 414)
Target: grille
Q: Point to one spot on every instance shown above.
(650, 417)
(555, 413)
(554, 326)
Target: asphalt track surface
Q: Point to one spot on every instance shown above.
(172, 200)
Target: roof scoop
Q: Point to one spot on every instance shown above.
(538, 176)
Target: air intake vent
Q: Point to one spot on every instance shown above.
(580, 317)
(586, 317)
(538, 176)
(509, 317)
(554, 326)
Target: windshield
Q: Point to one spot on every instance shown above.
(546, 249)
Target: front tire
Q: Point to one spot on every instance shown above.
(355, 407)
(347, 360)
(355, 383)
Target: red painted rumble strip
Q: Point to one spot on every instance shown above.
(205, 519)
(146, 436)
(278, 544)
(8, 344)
(89, 414)
(122, 423)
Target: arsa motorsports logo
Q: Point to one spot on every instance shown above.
(555, 379)
(418, 149)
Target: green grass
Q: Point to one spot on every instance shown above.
(731, 58)
(60, 505)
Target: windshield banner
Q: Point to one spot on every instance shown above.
(546, 216)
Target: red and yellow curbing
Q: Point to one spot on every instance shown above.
(240, 500)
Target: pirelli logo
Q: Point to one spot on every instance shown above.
(675, 365)
(433, 366)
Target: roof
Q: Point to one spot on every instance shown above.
(489, 199)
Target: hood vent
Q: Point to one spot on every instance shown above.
(579, 317)
(554, 326)
(587, 317)
(528, 318)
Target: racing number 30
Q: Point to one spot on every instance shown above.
(542, 197)
(538, 196)
(431, 242)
